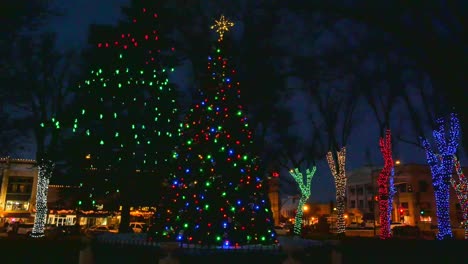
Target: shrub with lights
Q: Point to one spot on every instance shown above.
(218, 194)
(441, 165)
(461, 190)
(128, 115)
(304, 187)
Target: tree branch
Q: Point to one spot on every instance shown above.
(407, 141)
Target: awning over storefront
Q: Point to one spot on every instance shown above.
(62, 212)
(15, 215)
(18, 197)
(97, 214)
(144, 214)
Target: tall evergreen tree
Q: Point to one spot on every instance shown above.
(217, 195)
(129, 110)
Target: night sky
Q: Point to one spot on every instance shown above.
(73, 27)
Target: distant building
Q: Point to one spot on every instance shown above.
(312, 211)
(288, 207)
(413, 204)
(360, 194)
(60, 202)
(18, 181)
(274, 196)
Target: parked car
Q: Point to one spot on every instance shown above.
(72, 230)
(395, 224)
(138, 227)
(369, 224)
(96, 230)
(20, 229)
(25, 229)
(281, 231)
(406, 232)
(354, 225)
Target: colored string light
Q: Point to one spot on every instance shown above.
(461, 190)
(392, 192)
(383, 182)
(339, 175)
(217, 194)
(304, 188)
(441, 165)
(129, 117)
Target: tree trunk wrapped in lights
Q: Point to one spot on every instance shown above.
(305, 194)
(441, 170)
(339, 175)
(461, 190)
(46, 168)
(391, 194)
(384, 185)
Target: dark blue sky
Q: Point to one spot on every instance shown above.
(72, 29)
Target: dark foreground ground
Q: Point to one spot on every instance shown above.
(22, 250)
(352, 250)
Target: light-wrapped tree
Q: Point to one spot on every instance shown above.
(441, 165)
(460, 186)
(127, 114)
(217, 195)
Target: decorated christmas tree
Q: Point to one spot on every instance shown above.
(128, 117)
(217, 193)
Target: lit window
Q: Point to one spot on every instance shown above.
(17, 205)
(425, 219)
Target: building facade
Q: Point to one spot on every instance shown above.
(274, 196)
(413, 203)
(18, 182)
(360, 194)
(311, 211)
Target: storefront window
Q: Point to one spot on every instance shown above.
(426, 219)
(17, 206)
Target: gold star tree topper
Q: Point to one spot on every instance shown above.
(222, 26)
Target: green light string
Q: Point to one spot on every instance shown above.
(304, 187)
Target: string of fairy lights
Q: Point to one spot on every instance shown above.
(217, 183)
(461, 190)
(392, 191)
(45, 170)
(441, 165)
(216, 196)
(130, 109)
(383, 182)
(340, 185)
(304, 187)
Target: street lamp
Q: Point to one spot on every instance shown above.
(397, 162)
